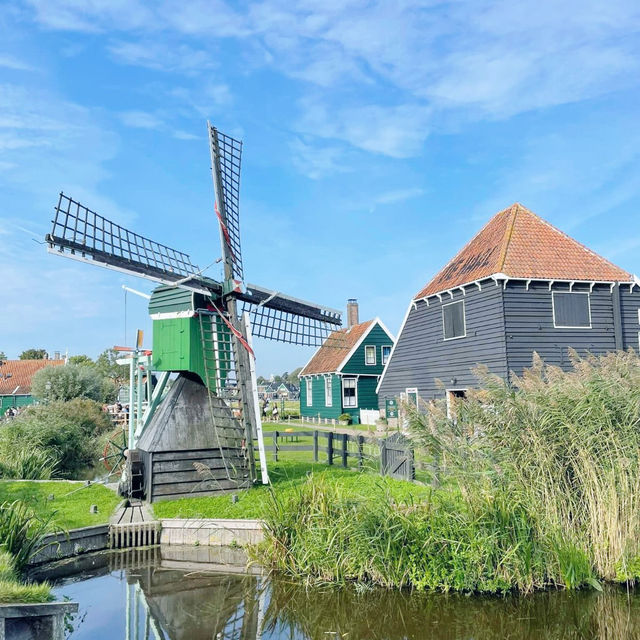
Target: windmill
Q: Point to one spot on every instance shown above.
(197, 438)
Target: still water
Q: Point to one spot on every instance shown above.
(170, 594)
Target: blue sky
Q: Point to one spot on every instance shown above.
(379, 137)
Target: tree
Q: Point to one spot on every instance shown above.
(81, 360)
(292, 378)
(106, 364)
(68, 382)
(3, 355)
(33, 354)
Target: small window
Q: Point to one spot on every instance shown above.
(349, 392)
(369, 355)
(309, 392)
(328, 391)
(453, 320)
(571, 310)
(386, 352)
(412, 396)
(454, 396)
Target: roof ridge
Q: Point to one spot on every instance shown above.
(508, 234)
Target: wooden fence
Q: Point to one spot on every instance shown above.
(390, 456)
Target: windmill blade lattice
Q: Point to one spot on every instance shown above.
(78, 232)
(226, 155)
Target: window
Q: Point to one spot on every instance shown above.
(369, 354)
(571, 310)
(453, 321)
(328, 391)
(309, 382)
(411, 395)
(386, 352)
(349, 392)
(454, 396)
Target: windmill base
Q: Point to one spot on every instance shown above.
(193, 446)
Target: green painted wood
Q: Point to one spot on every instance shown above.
(14, 401)
(319, 407)
(377, 338)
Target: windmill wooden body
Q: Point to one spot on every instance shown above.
(198, 437)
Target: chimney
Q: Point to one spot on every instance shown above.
(352, 312)
(56, 355)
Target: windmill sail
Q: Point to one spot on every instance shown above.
(82, 234)
(226, 154)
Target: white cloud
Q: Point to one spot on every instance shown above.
(163, 57)
(141, 120)
(7, 61)
(316, 160)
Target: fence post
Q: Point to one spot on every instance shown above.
(360, 452)
(383, 456)
(329, 447)
(275, 446)
(315, 446)
(345, 454)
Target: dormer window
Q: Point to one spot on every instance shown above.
(571, 310)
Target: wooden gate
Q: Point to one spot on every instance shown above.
(396, 457)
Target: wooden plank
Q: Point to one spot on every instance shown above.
(183, 489)
(187, 465)
(293, 447)
(191, 454)
(170, 477)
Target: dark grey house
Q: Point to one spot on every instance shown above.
(519, 286)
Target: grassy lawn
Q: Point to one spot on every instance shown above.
(285, 477)
(70, 506)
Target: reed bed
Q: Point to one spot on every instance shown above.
(540, 488)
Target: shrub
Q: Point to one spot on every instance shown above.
(67, 382)
(67, 431)
(345, 417)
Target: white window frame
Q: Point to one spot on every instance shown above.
(309, 382)
(448, 392)
(375, 357)
(575, 293)
(411, 390)
(355, 398)
(328, 391)
(382, 358)
(464, 320)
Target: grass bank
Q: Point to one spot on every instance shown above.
(540, 488)
(69, 508)
(287, 477)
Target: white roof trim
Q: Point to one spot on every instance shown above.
(502, 276)
(395, 344)
(372, 324)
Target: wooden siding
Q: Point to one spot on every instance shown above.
(529, 325)
(378, 338)
(319, 408)
(422, 356)
(630, 304)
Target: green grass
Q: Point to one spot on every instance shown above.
(70, 507)
(286, 477)
(14, 591)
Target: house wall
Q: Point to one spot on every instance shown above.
(356, 364)
(14, 401)
(422, 356)
(529, 324)
(319, 408)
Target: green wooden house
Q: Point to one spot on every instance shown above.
(342, 375)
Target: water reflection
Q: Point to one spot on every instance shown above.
(180, 594)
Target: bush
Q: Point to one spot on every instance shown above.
(68, 432)
(68, 382)
(345, 417)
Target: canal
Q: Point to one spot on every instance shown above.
(198, 594)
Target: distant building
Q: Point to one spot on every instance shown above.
(519, 286)
(15, 381)
(342, 375)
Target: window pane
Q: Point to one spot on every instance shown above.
(453, 320)
(370, 354)
(571, 309)
(386, 352)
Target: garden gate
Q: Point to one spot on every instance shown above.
(396, 457)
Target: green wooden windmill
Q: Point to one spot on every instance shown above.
(198, 436)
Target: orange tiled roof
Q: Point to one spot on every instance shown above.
(334, 349)
(520, 244)
(18, 373)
